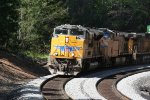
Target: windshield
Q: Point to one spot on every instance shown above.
(61, 31)
(76, 32)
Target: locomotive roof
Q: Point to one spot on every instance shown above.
(97, 31)
(100, 31)
(127, 34)
(68, 26)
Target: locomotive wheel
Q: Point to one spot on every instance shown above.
(85, 65)
(71, 69)
(128, 60)
(52, 69)
(108, 62)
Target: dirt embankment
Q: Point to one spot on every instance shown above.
(15, 71)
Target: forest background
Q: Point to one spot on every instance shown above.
(26, 25)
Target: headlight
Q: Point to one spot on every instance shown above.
(56, 54)
(72, 54)
(67, 39)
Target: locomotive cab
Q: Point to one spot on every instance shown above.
(67, 48)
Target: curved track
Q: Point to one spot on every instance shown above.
(54, 88)
(107, 87)
(85, 87)
(139, 86)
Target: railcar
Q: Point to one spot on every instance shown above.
(75, 48)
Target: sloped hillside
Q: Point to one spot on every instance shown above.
(16, 70)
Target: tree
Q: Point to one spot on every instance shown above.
(87, 12)
(37, 18)
(28, 24)
(8, 21)
(123, 15)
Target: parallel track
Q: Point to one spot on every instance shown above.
(54, 88)
(107, 87)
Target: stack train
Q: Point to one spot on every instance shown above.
(75, 48)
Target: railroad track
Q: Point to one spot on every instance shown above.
(101, 85)
(54, 88)
(96, 85)
(107, 87)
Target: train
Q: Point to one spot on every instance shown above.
(75, 48)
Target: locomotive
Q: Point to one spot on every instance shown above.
(75, 48)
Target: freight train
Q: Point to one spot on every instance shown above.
(75, 48)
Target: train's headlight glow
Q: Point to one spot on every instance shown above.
(72, 54)
(67, 39)
(56, 54)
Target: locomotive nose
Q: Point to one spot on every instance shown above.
(67, 46)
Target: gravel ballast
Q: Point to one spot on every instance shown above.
(136, 86)
(30, 91)
(85, 87)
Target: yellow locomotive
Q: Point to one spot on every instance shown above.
(75, 48)
(72, 46)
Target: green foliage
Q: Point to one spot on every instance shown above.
(8, 21)
(34, 54)
(37, 19)
(124, 15)
(28, 24)
(87, 12)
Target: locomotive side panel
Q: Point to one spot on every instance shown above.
(140, 46)
(146, 45)
(121, 44)
(130, 46)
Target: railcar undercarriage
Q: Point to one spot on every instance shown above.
(73, 66)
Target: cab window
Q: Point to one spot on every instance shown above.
(76, 32)
(61, 31)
